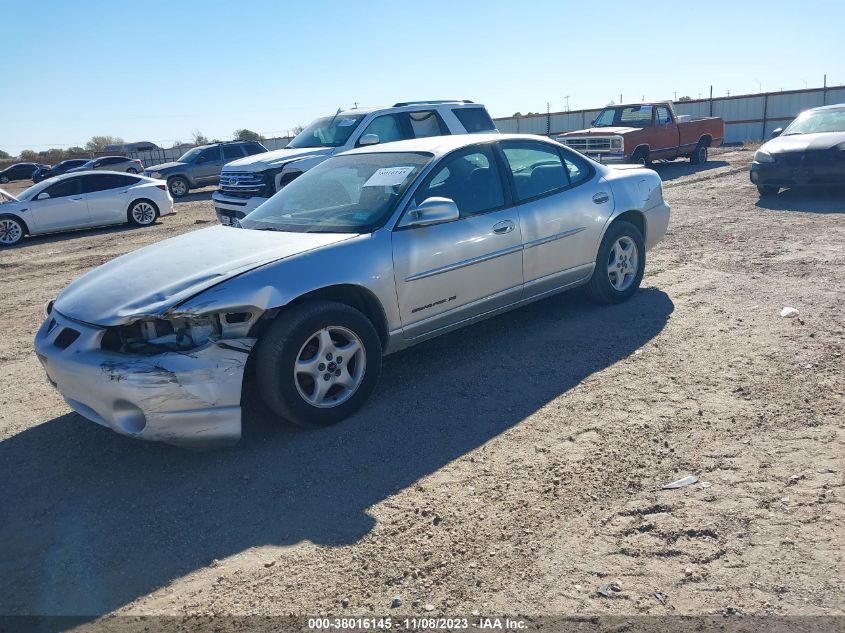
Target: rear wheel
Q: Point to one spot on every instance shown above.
(131, 170)
(11, 230)
(767, 190)
(699, 156)
(142, 213)
(318, 363)
(178, 186)
(619, 264)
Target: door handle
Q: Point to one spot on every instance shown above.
(503, 227)
(76, 199)
(601, 197)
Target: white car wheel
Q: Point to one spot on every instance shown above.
(11, 231)
(143, 213)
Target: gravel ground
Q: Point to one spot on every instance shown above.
(513, 467)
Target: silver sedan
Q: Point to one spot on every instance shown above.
(372, 251)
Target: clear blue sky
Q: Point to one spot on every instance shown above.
(158, 69)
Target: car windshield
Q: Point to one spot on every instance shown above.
(189, 156)
(628, 116)
(817, 122)
(89, 163)
(330, 131)
(345, 194)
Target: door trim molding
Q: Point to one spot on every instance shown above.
(464, 263)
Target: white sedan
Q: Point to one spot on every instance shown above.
(81, 200)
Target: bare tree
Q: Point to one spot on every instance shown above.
(199, 138)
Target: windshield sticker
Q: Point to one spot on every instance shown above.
(388, 177)
(346, 122)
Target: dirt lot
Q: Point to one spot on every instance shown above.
(513, 467)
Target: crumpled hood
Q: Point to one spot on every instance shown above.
(601, 131)
(276, 158)
(163, 166)
(804, 142)
(156, 278)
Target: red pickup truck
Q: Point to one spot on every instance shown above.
(643, 132)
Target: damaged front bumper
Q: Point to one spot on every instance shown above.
(189, 398)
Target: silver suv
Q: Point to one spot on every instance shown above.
(200, 166)
(246, 183)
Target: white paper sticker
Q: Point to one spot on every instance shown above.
(388, 177)
(346, 122)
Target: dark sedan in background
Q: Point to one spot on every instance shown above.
(18, 171)
(810, 152)
(45, 171)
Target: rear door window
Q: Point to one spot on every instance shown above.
(475, 119)
(232, 152)
(426, 123)
(537, 168)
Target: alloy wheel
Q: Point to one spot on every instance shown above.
(329, 367)
(143, 213)
(622, 264)
(10, 231)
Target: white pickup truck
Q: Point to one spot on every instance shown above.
(247, 182)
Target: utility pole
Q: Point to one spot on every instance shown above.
(567, 102)
(356, 105)
(676, 95)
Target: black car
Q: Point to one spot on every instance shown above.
(810, 152)
(45, 171)
(18, 171)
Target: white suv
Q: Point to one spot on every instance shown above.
(247, 182)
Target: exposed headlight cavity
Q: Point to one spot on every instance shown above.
(157, 336)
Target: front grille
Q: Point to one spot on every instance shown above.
(240, 184)
(818, 158)
(587, 144)
(66, 337)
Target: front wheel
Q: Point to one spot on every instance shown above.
(640, 157)
(11, 231)
(767, 190)
(142, 213)
(318, 363)
(4, 180)
(620, 264)
(178, 186)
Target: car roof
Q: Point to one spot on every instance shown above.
(92, 172)
(407, 105)
(439, 145)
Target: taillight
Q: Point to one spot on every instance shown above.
(162, 187)
(137, 162)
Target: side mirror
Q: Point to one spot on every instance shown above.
(369, 139)
(777, 132)
(431, 211)
(42, 196)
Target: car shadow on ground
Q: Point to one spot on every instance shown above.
(807, 200)
(93, 520)
(671, 170)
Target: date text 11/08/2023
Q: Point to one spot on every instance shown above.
(415, 623)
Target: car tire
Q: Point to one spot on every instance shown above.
(131, 170)
(620, 264)
(12, 230)
(178, 186)
(767, 190)
(4, 180)
(324, 391)
(699, 156)
(142, 212)
(640, 157)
